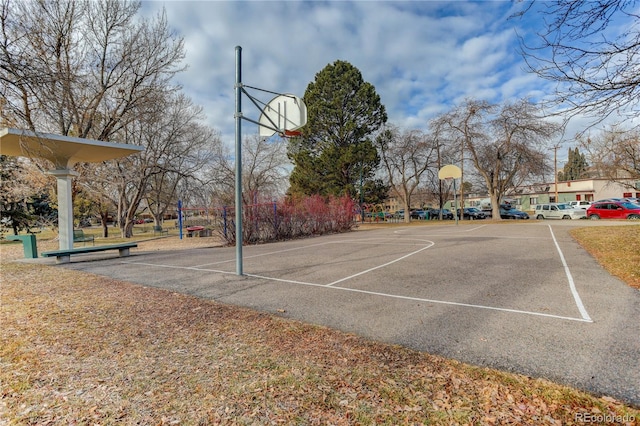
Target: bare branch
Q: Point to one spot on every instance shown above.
(592, 51)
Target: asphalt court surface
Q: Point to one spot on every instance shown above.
(522, 297)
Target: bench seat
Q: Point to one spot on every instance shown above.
(80, 237)
(64, 256)
(158, 230)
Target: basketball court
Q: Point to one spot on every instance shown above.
(522, 297)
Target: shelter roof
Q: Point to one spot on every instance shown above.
(62, 151)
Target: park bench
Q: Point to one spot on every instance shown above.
(79, 237)
(158, 230)
(64, 256)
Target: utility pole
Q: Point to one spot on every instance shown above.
(555, 170)
(461, 186)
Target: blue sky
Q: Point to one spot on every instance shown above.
(423, 57)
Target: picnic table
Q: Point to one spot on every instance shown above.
(193, 230)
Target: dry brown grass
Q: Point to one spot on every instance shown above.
(77, 348)
(617, 249)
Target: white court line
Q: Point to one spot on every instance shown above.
(263, 254)
(468, 305)
(189, 268)
(572, 285)
(585, 317)
(419, 299)
(372, 293)
(447, 229)
(359, 241)
(351, 241)
(383, 265)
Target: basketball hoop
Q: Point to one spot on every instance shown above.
(290, 133)
(284, 115)
(449, 173)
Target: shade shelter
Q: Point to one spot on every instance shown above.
(64, 152)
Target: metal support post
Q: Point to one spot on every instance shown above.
(238, 117)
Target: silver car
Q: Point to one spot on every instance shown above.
(559, 211)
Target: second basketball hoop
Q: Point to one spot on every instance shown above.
(284, 115)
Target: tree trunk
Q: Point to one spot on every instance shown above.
(495, 207)
(407, 210)
(104, 215)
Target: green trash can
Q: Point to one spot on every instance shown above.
(28, 244)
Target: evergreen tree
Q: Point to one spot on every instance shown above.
(575, 168)
(335, 154)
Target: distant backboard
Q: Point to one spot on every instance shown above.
(449, 172)
(282, 114)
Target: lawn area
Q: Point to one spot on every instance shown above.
(617, 249)
(77, 348)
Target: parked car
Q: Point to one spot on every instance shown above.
(634, 200)
(435, 214)
(614, 210)
(580, 204)
(377, 216)
(608, 199)
(472, 213)
(447, 214)
(559, 211)
(508, 212)
(419, 214)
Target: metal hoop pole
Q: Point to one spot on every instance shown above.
(238, 116)
(455, 201)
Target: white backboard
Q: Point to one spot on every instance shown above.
(284, 112)
(450, 172)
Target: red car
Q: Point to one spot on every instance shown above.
(613, 210)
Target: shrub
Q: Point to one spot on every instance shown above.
(290, 218)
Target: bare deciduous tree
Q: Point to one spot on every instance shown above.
(406, 157)
(265, 171)
(192, 148)
(449, 150)
(177, 146)
(614, 154)
(92, 69)
(505, 142)
(81, 67)
(591, 50)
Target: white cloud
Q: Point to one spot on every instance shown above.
(422, 57)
